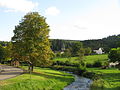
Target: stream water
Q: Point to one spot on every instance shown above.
(80, 83)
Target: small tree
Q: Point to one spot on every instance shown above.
(76, 47)
(8, 51)
(80, 59)
(88, 51)
(2, 53)
(30, 41)
(114, 55)
(67, 53)
(80, 54)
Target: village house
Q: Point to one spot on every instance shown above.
(99, 51)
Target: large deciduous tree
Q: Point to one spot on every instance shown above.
(30, 40)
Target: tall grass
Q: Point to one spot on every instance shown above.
(110, 79)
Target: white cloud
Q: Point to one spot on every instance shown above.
(53, 11)
(98, 23)
(18, 5)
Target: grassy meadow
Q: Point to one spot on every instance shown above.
(88, 59)
(40, 79)
(93, 58)
(110, 79)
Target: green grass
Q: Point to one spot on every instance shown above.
(64, 59)
(88, 59)
(92, 58)
(111, 78)
(41, 79)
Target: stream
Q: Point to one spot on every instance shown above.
(80, 83)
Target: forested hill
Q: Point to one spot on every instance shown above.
(60, 44)
(106, 43)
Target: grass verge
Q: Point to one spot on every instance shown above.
(40, 79)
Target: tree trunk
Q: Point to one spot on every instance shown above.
(30, 68)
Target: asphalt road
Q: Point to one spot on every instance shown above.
(7, 72)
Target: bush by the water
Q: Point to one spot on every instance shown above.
(76, 70)
(95, 64)
(66, 63)
(89, 65)
(92, 75)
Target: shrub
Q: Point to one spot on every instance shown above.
(75, 70)
(97, 64)
(98, 85)
(81, 70)
(57, 54)
(89, 65)
(89, 74)
(92, 75)
(66, 63)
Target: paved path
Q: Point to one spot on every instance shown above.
(80, 83)
(9, 72)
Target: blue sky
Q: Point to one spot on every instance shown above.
(68, 19)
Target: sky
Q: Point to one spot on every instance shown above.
(68, 19)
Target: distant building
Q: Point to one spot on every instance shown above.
(99, 51)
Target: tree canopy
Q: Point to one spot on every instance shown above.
(2, 53)
(114, 55)
(30, 40)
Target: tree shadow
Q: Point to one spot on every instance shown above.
(57, 74)
(59, 77)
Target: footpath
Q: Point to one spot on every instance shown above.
(7, 72)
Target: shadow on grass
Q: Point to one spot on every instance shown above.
(59, 77)
(57, 74)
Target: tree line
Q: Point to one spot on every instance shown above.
(106, 43)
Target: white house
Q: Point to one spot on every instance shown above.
(99, 51)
